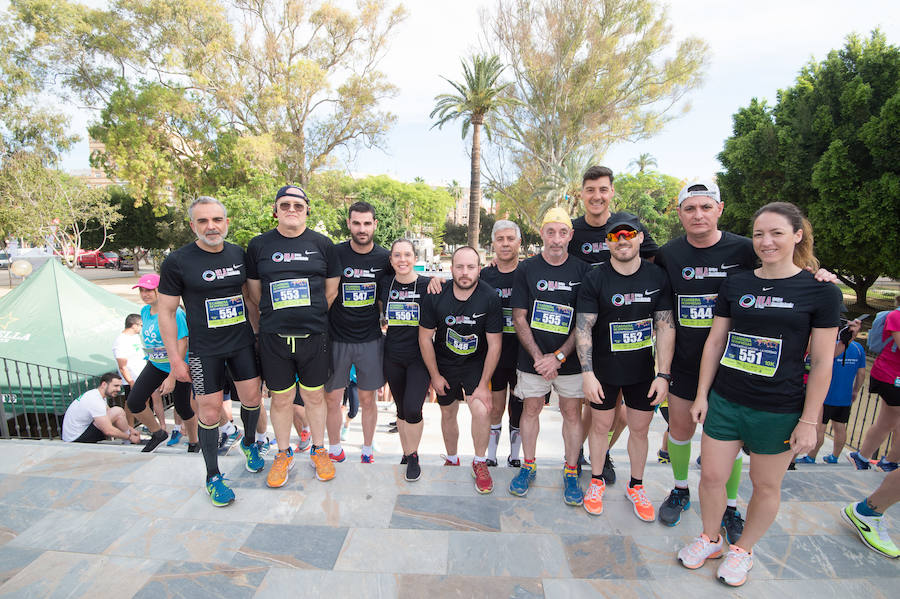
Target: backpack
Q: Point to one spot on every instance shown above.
(876, 341)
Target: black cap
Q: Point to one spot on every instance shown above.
(622, 220)
(292, 191)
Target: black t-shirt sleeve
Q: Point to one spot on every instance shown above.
(828, 312)
(519, 297)
(331, 259)
(723, 308)
(252, 257)
(665, 299)
(171, 281)
(587, 296)
(428, 319)
(648, 246)
(494, 320)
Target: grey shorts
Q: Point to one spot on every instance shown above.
(367, 358)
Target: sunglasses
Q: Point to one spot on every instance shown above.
(621, 235)
(296, 206)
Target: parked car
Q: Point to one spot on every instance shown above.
(4, 260)
(98, 259)
(126, 262)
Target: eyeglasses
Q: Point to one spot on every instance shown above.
(296, 206)
(621, 235)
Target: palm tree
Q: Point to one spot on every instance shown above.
(643, 162)
(477, 96)
(562, 183)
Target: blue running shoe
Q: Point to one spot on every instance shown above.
(830, 459)
(518, 486)
(678, 501)
(220, 493)
(805, 460)
(255, 463)
(175, 439)
(572, 493)
(859, 462)
(885, 465)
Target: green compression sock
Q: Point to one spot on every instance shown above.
(734, 481)
(680, 455)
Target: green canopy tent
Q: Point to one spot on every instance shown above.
(56, 334)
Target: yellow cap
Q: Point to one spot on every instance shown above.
(557, 215)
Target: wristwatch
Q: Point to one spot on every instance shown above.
(560, 356)
(665, 377)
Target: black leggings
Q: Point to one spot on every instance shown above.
(409, 385)
(149, 381)
(514, 409)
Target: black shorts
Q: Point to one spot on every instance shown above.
(286, 360)
(635, 397)
(462, 384)
(149, 381)
(298, 400)
(409, 386)
(504, 378)
(684, 384)
(91, 434)
(208, 374)
(888, 392)
(835, 413)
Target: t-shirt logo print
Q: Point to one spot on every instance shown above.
(462, 319)
(593, 248)
(287, 257)
(358, 273)
(763, 301)
(544, 285)
(221, 273)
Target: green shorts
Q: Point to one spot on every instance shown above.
(762, 432)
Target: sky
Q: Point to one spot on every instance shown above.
(756, 48)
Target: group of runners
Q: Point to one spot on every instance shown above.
(719, 326)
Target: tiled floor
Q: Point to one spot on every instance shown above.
(112, 522)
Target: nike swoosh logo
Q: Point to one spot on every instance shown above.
(307, 252)
(374, 269)
(727, 266)
(478, 315)
(650, 292)
(572, 284)
(768, 288)
(237, 266)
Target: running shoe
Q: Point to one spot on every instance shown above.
(572, 493)
(366, 458)
(872, 531)
(698, 460)
(518, 486)
(175, 438)
(263, 447)
(830, 459)
(339, 457)
(885, 465)
(321, 462)
(701, 549)
(513, 463)
(609, 470)
(193, 448)
(805, 460)
(255, 463)
(404, 460)
(413, 470)
(677, 502)
(449, 462)
(733, 524)
(593, 499)
(643, 509)
(220, 493)
(491, 463)
(344, 430)
(859, 462)
(155, 440)
(278, 472)
(482, 476)
(305, 441)
(663, 457)
(733, 570)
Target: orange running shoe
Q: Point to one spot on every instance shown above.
(322, 463)
(278, 473)
(593, 499)
(643, 509)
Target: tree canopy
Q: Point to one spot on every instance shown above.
(831, 145)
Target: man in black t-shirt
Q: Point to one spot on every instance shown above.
(506, 239)
(355, 328)
(460, 335)
(292, 275)
(209, 276)
(543, 302)
(620, 306)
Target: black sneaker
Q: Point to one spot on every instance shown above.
(413, 470)
(678, 501)
(393, 429)
(155, 439)
(513, 463)
(491, 463)
(404, 460)
(733, 524)
(609, 470)
(193, 448)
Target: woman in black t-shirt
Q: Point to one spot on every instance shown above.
(751, 391)
(400, 302)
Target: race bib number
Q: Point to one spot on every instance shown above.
(157, 354)
(696, 311)
(630, 336)
(550, 317)
(508, 321)
(357, 295)
(290, 293)
(462, 345)
(403, 314)
(225, 311)
(752, 354)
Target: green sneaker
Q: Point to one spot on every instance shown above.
(872, 531)
(220, 494)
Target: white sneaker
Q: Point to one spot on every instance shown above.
(701, 549)
(733, 571)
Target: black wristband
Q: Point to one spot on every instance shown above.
(665, 377)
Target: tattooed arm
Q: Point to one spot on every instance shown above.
(584, 324)
(664, 324)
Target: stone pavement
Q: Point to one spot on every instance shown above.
(108, 521)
